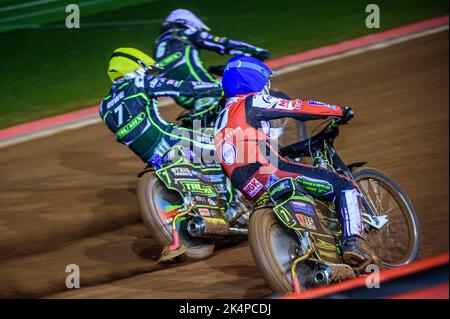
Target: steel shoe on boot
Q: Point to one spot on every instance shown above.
(358, 254)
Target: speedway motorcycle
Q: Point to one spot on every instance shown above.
(190, 206)
(295, 239)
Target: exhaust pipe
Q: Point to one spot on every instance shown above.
(196, 227)
(323, 277)
(207, 227)
(238, 231)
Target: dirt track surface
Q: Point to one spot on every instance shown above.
(70, 198)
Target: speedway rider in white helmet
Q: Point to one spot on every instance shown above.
(177, 49)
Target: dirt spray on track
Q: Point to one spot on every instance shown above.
(70, 198)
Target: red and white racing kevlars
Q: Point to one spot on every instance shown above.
(243, 137)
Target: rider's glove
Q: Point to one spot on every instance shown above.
(347, 115)
(262, 54)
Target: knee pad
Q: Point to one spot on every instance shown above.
(285, 188)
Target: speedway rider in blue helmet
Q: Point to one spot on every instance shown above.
(177, 50)
(243, 144)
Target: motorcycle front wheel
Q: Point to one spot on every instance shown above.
(397, 243)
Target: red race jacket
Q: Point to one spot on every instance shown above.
(243, 128)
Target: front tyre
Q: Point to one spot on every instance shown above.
(155, 201)
(397, 243)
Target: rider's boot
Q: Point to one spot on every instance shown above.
(356, 252)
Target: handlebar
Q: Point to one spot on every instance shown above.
(301, 149)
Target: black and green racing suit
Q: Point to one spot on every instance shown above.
(131, 112)
(177, 51)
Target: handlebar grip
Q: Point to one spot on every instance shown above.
(347, 116)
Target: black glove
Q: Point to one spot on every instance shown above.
(348, 114)
(262, 54)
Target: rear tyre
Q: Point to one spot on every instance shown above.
(154, 201)
(397, 243)
(274, 250)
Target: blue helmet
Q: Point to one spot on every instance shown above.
(244, 75)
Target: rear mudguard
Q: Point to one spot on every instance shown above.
(352, 166)
(206, 186)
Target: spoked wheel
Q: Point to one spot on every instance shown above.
(156, 202)
(397, 243)
(274, 250)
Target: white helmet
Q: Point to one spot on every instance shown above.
(187, 18)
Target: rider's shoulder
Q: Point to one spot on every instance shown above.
(152, 81)
(263, 100)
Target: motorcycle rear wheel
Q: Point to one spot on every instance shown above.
(274, 250)
(153, 200)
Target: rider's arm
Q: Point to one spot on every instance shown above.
(156, 86)
(266, 107)
(224, 45)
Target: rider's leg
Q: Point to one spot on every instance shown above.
(344, 194)
(323, 184)
(332, 187)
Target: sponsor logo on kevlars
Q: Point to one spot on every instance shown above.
(302, 207)
(272, 179)
(306, 221)
(229, 153)
(331, 107)
(253, 187)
